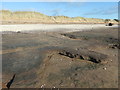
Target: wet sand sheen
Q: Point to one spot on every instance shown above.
(38, 58)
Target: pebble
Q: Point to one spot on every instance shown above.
(104, 68)
(42, 85)
(76, 49)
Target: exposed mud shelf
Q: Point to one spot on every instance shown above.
(82, 54)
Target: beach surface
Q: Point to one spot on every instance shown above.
(52, 27)
(60, 56)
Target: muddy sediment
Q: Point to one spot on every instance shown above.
(84, 55)
(85, 59)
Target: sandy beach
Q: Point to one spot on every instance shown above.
(61, 56)
(52, 27)
(59, 45)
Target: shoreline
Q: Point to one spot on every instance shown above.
(52, 27)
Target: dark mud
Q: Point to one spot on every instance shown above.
(85, 59)
(83, 54)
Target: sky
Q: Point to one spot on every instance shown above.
(103, 10)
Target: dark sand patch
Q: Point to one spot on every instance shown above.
(50, 60)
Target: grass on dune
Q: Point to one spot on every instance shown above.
(33, 16)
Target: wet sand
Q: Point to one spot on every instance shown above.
(80, 59)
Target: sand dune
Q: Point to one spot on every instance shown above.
(31, 17)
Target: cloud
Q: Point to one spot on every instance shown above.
(111, 10)
(55, 12)
(75, 4)
(108, 11)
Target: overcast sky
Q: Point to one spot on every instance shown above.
(103, 10)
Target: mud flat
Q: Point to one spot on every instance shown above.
(80, 59)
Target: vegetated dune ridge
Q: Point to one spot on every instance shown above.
(31, 17)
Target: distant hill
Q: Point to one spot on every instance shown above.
(30, 17)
